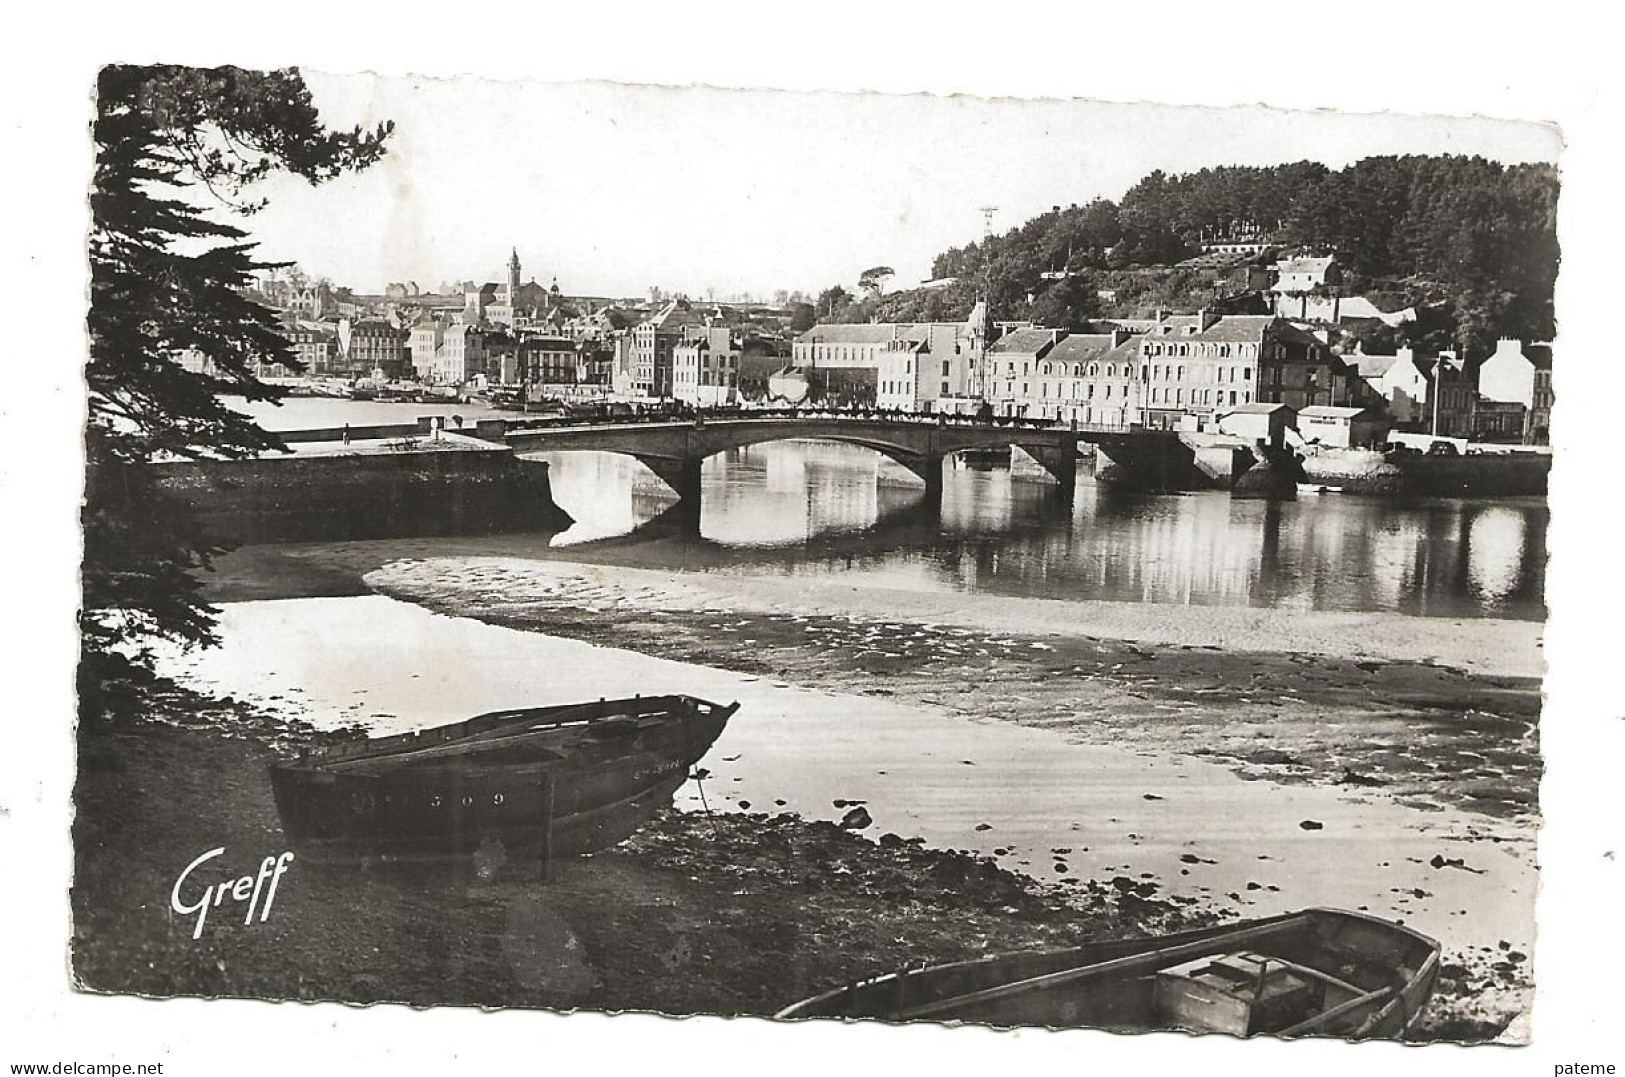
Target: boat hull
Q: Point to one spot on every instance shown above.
(1060, 989)
(556, 791)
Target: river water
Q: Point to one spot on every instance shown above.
(814, 508)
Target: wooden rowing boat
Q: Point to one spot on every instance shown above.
(533, 783)
(1320, 972)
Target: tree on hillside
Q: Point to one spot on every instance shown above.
(168, 278)
(833, 300)
(1067, 304)
(873, 281)
(802, 317)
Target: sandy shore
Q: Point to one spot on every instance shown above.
(1496, 648)
(1428, 733)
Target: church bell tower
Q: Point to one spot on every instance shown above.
(513, 278)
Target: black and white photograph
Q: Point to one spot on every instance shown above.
(883, 568)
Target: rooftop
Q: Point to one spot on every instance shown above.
(1027, 340)
(1305, 265)
(1250, 328)
(1081, 347)
(1327, 411)
(853, 333)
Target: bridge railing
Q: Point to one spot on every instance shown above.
(856, 417)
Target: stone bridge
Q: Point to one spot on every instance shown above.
(675, 451)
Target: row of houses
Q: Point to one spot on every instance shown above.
(1187, 372)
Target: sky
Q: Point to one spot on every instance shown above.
(613, 188)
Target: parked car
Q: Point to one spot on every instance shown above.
(1443, 448)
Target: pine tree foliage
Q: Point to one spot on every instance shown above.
(1473, 240)
(169, 276)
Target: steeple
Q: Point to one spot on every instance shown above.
(513, 276)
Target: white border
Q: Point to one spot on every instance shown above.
(1525, 62)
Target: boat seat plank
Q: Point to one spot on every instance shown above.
(1145, 962)
(1320, 1020)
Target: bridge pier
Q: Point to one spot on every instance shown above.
(928, 466)
(1060, 460)
(1148, 463)
(683, 476)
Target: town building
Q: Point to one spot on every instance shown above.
(371, 347)
(1404, 384)
(1259, 421)
(477, 301)
(544, 364)
(1084, 378)
(930, 367)
(311, 300)
(423, 342)
(1194, 367)
(1011, 361)
(1297, 279)
(919, 366)
(653, 341)
(1344, 427)
(1518, 375)
(705, 367)
(316, 346)
(845, 344)
(1452, 412)
(461, 356)
(759, 359)
(1399, 382)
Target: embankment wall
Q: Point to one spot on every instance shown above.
(1482, 475)
(384, 495)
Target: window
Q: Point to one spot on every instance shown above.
(1246, 373)
(1181, 373)
(944, 386)
(945, 370)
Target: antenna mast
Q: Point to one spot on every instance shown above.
(978, 362)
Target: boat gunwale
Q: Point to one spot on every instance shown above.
(798, 1011)
(535, 719)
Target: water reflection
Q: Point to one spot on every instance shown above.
(807, 508)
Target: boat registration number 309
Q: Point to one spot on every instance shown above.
(656, 769)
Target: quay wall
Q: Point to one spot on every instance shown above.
(1367, 471)
(403, 494)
